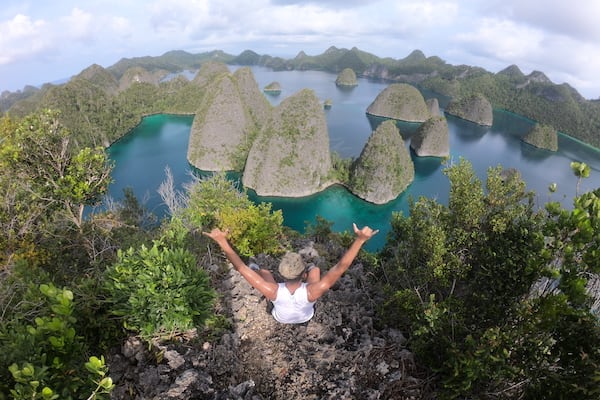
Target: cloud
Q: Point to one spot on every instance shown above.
(22, 38)
(79, 25)
(501, 40)
(558, 38)
(577, 20)
(327, 3)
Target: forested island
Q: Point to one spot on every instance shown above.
(533, 96)
(487, 296)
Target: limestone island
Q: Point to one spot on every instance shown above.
(543, 137)
(474, 108)
(432, 138)
(327, 104)
(232, 103)
(346, 78)
(284, 151)
(290, 156)
(400, 101)
(384, 168)
(273, 88)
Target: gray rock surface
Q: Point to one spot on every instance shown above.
(232, 110)
(432, 138)
(384, 168)
(209, 71)
(475, 108)
(400, 101)
(140, 75)
(339, 354)
(290, 157)
(434, 106)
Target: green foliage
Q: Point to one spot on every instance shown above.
(254, 229)
(48, 354)
(542, 136)
(320, 231)
(494, 294)
(46, 179)
(215, 201)
(159, 290)
(341, 168)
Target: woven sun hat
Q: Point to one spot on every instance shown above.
(291, 266)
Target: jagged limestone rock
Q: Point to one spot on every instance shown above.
(346, 78)
(226, 122)
(290, 156)
(542, 136)
(434, 106)
(400, 101)
(384, 168)
(140, 75)
(257, 104)
(475, 108)
(432, 138)
(209, 71)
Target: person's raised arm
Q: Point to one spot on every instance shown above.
(268, 289)
(317, 289)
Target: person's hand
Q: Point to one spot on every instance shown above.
(217, 234)
(365, 233)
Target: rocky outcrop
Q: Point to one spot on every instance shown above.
(432, 138)
(256, 104)
(433, 105)
(346, 78)
(290, 156)
(384, 168)
(139, 75)
(273, 88)
(475, 108)
(542, 136)
(400, 101)
(231, 112)
(209, 71)
(257, 358)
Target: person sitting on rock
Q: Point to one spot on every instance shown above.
(294, 299)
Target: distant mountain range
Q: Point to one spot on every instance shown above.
(533, 95)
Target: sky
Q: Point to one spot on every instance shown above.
(49, 41)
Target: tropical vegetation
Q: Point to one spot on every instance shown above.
(495, 295)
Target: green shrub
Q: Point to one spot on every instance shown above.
(216, 201)
(254, 229)
(46, 356)
(159, 290)
(460, 280)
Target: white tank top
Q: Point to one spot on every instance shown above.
(292, 308)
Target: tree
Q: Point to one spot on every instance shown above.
(44, 178)
(493, 292)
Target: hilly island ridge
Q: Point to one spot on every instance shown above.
(236, 129)
(533, 96)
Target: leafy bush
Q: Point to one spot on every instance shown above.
(47, 355)
(159, 290)
(460, 280)
(216, 201)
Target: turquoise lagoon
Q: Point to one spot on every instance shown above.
(161, 140)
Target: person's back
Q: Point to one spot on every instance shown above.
(292, 308)
(293, 300)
